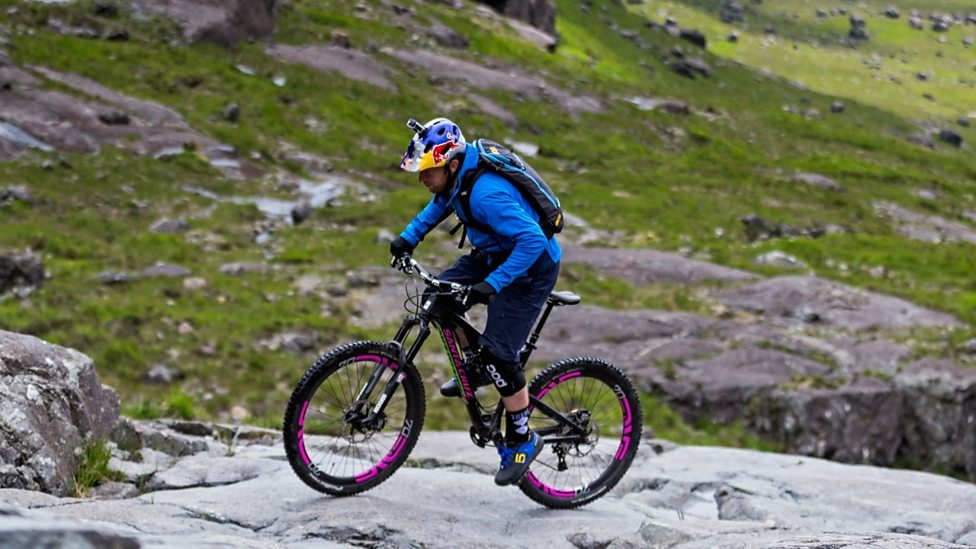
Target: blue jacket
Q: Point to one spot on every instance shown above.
(495, 202)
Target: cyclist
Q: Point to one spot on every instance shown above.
(512, 268)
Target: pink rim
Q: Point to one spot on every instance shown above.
(619, 455)
(390, 456)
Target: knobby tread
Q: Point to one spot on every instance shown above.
(316, 374)
(593, 364)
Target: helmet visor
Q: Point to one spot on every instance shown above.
(411, 160)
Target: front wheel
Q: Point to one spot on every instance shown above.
(579, 465)
(334, 440)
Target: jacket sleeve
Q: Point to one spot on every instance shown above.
(433, 213)
(499, 208)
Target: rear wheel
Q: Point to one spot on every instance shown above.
(575, 469)
(330, 444)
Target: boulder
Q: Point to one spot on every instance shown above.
(52, 403)
(799, 300)
(541, 14)
(225, 22)
(20, 272)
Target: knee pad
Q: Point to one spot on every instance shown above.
(507, 376)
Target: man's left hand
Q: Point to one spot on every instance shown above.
(481, 293)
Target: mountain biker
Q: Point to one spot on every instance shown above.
(512, 268)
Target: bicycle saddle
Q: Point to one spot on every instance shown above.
(563, 298)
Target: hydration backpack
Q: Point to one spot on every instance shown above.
(495, 158)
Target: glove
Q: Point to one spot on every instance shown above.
(399, 247)
(480, 293)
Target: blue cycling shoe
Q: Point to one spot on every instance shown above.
(516, 460)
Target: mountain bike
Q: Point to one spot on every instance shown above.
(356, 414)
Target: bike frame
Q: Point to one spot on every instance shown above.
(434, 316)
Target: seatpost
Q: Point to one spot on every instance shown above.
(530, 345)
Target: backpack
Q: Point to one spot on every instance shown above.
(495, 158)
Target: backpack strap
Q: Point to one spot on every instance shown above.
(464, 197)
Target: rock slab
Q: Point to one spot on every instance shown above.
(52, 402)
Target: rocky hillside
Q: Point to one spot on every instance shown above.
(199, 196)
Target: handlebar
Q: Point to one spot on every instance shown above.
(410, 266)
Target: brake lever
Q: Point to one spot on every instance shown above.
(464, 292)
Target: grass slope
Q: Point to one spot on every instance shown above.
(654, 179)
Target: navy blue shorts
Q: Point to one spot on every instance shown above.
(513, 311)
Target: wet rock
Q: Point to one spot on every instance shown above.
(731, 12)
(340, 39)
(114, 118)
(541, 14)
(892, 12)
(951, 137)
(52, 402)
(19, 193)
(22, 273)
(446, 36)
(673, 106)
(916, 22)
(166, 270)
(117, 35)
(757, 228)
(695, 37)
(301, 212)
(169, 226)
(691, 68)
(161, 373)
(777, 258)
(225, 22)
(942, 24)
(231, 112)
(105, 9)
(858, 28)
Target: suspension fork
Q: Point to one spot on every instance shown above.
(397, 379)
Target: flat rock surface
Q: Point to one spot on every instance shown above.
(684, 497)
(351, 63)
(650, 266)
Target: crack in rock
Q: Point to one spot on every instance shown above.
(215, 517)
(377, 537)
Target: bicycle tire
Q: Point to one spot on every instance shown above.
(324, 450)
(575, 387)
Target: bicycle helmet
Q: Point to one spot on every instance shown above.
(434, 144)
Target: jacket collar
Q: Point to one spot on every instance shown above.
(469, 163)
